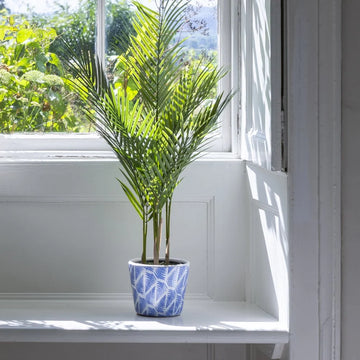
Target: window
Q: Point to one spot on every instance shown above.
(58, 126)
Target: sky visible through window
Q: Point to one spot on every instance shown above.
(38, 6)
(202, 14)
(46, 6)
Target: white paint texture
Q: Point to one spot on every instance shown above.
(314, 177)
(350, 180)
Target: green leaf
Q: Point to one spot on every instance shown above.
(54, 60)
(41, 61)
(132, 199)
(24, 62)
(23, 35)
(19, 51)
(2, 33)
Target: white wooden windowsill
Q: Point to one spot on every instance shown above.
(202, 321)
(19, 156)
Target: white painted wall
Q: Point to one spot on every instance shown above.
(350, 180)
(66, 228)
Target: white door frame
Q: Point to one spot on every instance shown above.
(314, 120)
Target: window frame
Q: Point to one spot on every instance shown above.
(261, 78)
(87, 145)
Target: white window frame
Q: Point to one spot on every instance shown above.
(88, 145)
(261, 83)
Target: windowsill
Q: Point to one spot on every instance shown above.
(202, 321)
(54, 156)
(27, 147)
(71, 156)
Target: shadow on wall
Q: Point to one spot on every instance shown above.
(269, 242)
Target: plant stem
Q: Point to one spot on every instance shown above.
(145, 225)
(167, 217)
(156, 256)
(157, 221)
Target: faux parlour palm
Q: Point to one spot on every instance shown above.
(165, 124)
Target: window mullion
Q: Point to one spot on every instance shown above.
(100, 30)
(235, 75)
(224, 58)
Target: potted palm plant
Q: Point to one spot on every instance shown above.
(156, 126)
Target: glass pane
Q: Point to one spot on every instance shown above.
(199, 34)
(200, 31)
(34, 96)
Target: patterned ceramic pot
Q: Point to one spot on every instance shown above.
(158, 290)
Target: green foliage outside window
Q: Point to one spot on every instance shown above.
(34, 96)
(34, 91)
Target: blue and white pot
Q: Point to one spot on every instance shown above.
(158, 290)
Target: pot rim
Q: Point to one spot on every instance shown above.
(178, 262)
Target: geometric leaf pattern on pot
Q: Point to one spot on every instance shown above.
(158, 290)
